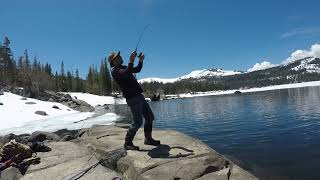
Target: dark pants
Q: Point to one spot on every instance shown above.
(140, 108)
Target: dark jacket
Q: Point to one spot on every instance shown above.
(123, 75)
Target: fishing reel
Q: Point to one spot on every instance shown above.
(138, 55)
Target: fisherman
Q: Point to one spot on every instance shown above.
(132, 91)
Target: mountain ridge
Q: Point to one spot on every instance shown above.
(304, 65)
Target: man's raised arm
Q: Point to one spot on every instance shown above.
(138, 68)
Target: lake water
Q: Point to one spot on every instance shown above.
(273, 134)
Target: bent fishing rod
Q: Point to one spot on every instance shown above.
(141, 34)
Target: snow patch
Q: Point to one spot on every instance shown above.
(211, 72)
(160, 80)
(308, 66)
(19, 117)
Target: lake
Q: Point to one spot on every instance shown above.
(273, 134)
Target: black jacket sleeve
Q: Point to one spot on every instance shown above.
(138, 68)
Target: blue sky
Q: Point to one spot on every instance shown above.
(184, 35)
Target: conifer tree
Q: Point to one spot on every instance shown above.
(69, 81)
(103, 79)
(62, 79)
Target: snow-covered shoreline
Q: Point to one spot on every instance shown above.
(258, 89)
(18, 116)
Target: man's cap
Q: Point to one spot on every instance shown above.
(112, 56)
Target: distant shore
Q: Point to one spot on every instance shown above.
(257, 89)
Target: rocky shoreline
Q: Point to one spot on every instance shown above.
(49, 96)
(98, 151)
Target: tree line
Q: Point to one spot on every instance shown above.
(37, 77)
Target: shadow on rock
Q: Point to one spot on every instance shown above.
(163, 151)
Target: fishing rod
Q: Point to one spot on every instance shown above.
(144, 29)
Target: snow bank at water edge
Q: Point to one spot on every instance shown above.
(267, 88)
(95, 100)
(18, 116)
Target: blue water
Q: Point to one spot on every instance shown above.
(273, 134)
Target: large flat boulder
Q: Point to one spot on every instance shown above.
(66, 159)
(179, 157)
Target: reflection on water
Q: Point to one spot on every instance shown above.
(276, 134)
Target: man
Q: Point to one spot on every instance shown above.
(132, 91)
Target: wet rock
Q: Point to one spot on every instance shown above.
(237, 92)
(82, 132)
(64, 132)
(155, 97)
(68, 138)
(41, 136)
(30, 103)
(18, 138)
(51, 100)
(111, 158)
(1, 103)
(42, 113)
(83, 106)
(64, 97)
(24, 99)
(55, 107)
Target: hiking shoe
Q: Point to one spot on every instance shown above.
(131, 147)
(128, 145)
(151, 142)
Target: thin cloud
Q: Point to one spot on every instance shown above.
(301, 31)
(261, 66)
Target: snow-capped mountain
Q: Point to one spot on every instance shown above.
(197, 74)
(161, 80)
(291, 69)
(309, 64)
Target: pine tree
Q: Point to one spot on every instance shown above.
(48, 69)
(7, 64)
(56, 82)
(69, 81)
(26, 61)
(95, 87)
(103, 79)
(89, 80)
(62, 79)
(78, 86)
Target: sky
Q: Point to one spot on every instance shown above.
(183, 35)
